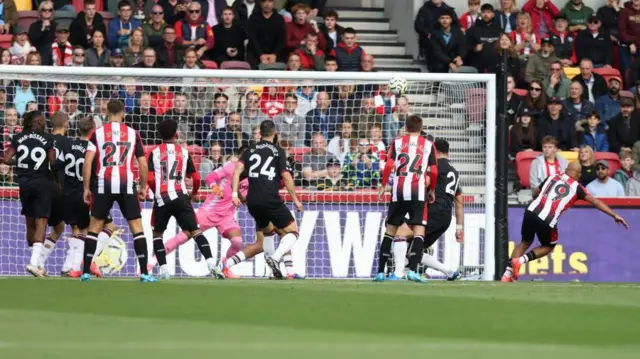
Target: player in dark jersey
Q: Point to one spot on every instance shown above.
(266, 165)
(556, 194)
(169, 164)
(36, 180)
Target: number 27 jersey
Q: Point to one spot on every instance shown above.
(412, 158)
(116, 146)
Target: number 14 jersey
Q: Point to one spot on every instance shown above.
(412, 158)
(116, 145)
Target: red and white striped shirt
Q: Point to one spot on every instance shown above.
(116, 145)
(557, 194)
(168, 164)
(412, 158)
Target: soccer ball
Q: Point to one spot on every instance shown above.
(398, 85)
(113, 257)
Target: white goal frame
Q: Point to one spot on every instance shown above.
(261, 77)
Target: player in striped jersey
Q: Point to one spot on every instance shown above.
(413, 159)
(110, 154)
(169, 164)
(556, 194)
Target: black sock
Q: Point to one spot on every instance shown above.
(385, 252)
(203, 245)
(531, 256)
(90, 244)
(160, 252)
(415, 256)
(140, 246)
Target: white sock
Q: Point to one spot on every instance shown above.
(164, 269)
(399, 256)
(237, 258)
(71, 252)
(211, 264)
(78, 255)
(288, 263)
(508, 272)
(103, 239)
(269, 245)
(286, 243)
(431, 262)
(48, 247)
(36, 253)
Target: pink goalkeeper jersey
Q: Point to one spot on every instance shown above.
(223, 177)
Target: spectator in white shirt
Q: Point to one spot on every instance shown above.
(603, 185)
(548, 163)
(343, 142)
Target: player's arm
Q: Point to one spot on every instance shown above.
(151, 176)
(51, 155)
(433, 169)
(386, 171)
(235, 182)
(602, 207)
(8, 156)
(143, 167)
(195, 176)
(89, 155)
(459, 204)
(538, 189)
(288, 180)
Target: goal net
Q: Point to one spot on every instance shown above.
(335, 128)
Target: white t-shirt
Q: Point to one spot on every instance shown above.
(611, 188)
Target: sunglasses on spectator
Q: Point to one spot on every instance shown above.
(47, 9)
(78, 54)
(535, 89)
(194, 11)
(157, 13)
(363, 144)
(556, 69)
(601, 168)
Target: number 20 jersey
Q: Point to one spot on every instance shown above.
(116, 146)
(413, 157)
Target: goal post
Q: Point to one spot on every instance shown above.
(343, 221)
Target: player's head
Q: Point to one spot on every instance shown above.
(414, 124)
(442, 146)
(168, 130)
(267, 130)
(59, 123)
(38, 122)
(574, 169)
(241, 150)
(85, 126)
(27, 119)
(115, 110)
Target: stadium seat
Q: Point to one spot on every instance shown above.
(23, 5)
(523, 166)
(520, 92)
(106, 18)
(298, 152)
(64, 17)
(26, 18)
(235, 65)
(79, 5)
(476, 103)
(5, 41)
(278, 66)
(612, 159)
(571, 72)
(195, 150)
(208, 64)
(569, 155)
(608, 73)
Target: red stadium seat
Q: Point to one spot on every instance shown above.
(523, 166)
(5, 41)
(608, 73)
(208, 64)
(79, 5)
(612, 159)
(26, 18)
(520, 92)
(195, 150)
(106, 18)
(476, 103)
(235, 65)
(298, 152)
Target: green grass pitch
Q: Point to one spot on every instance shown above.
(203, 318)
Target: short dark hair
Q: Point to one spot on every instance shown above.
(167, 129)
(558, 62)
(414, 123)
(375, 125)
(349, 30)
(86, 125)
(330, 58)
(28, 117)
(220, 94)
(124, 3)
(230, 9)
(58, 119)
(241, 150)
(331, 13)
(442, 146)
(593, 113)
(115, 107)
(78, 47)
(291, 95)
(267, 128)
(89, 2)
(549, 140)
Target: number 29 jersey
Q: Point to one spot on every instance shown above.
(116, 146)
(32, 150)
(264, 164)
(412, 158)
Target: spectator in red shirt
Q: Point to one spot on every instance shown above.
(525, 39)
(298, 29)
(272, 101)
(385, 100)
(162, 100)
(629, 27)
(542, 13)
(468, 19)
(311, 57)
(54, 102)
(194, 31)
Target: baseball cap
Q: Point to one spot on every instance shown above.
(626, 101)
(117, 52)
(555, 100)
(525, 112)
(592, 19)
(547, 41)
(62, 27)
(333, 162)
(487, 7)
(602, 163)
(561, 16)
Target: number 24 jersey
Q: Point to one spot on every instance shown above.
(264, 164)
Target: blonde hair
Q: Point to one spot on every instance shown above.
(525, 15)
(512, 9)
(624, 154)
(592, 155)
(45, 3)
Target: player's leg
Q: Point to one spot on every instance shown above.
(418, 221)
(108, 230)
(395, 217)
(160, 217)
(235, 237)
(39, 209)
(130, 208)
(529, 227)
(57, 227)
(548, 238)
(400, 246)
(252, 249)
(433, 231)
(206, 221)
(281, 218)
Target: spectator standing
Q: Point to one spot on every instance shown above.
(592, 133)
(267, 36)
(448, 44)
(482, 38)
(362, 167)
(298, 29)
(323, 118)
(42, 32)
(153, 29)
(230, 39)
(314, 163)
(169, 54)
(331, 30)
(348, 53)
(523, 135)
(231, 136)
(121, 27)
(128, 93)
(398, 119)
(594, 44)
(243, 10)
(604, 186)
(576, 107)
(212, 10)
(525, 39)
(624, 174)
(61, 49)
(184, 117)
(290, 126)
(548, 163)
(10, 127)
(556, 124)
(311, 56)
(343, 142)
(212, 161)
(174, 10)
(593, 85)
(307, 96)
(540, 62)
(272, 101)
(624, 129)
(577, 13)
(83, 26)
(377, 144)
(144, 120)
(557, 84)
(514, 102)
(251, 115)
(608, 105)
(194, 31)
(506, 16)
(469, 18)
(542, 13)
(98, 55)
(629, 28)
(609, 14)
(133, 52)
(587, 159)
(334, 180)
(427, 20)
(54, 101)
(563, 40)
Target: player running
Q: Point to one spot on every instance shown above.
(448, 192)
(410, 156)
(37, 181)
(267, 166)
(113, 147)
(556, 194)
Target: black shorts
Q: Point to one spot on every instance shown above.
(103, 202)
(533, 225)
(59, 209)
(439, 222)
(417, 211)
(180, 208)
(76, 211)
(36, 197)
(277, 214)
